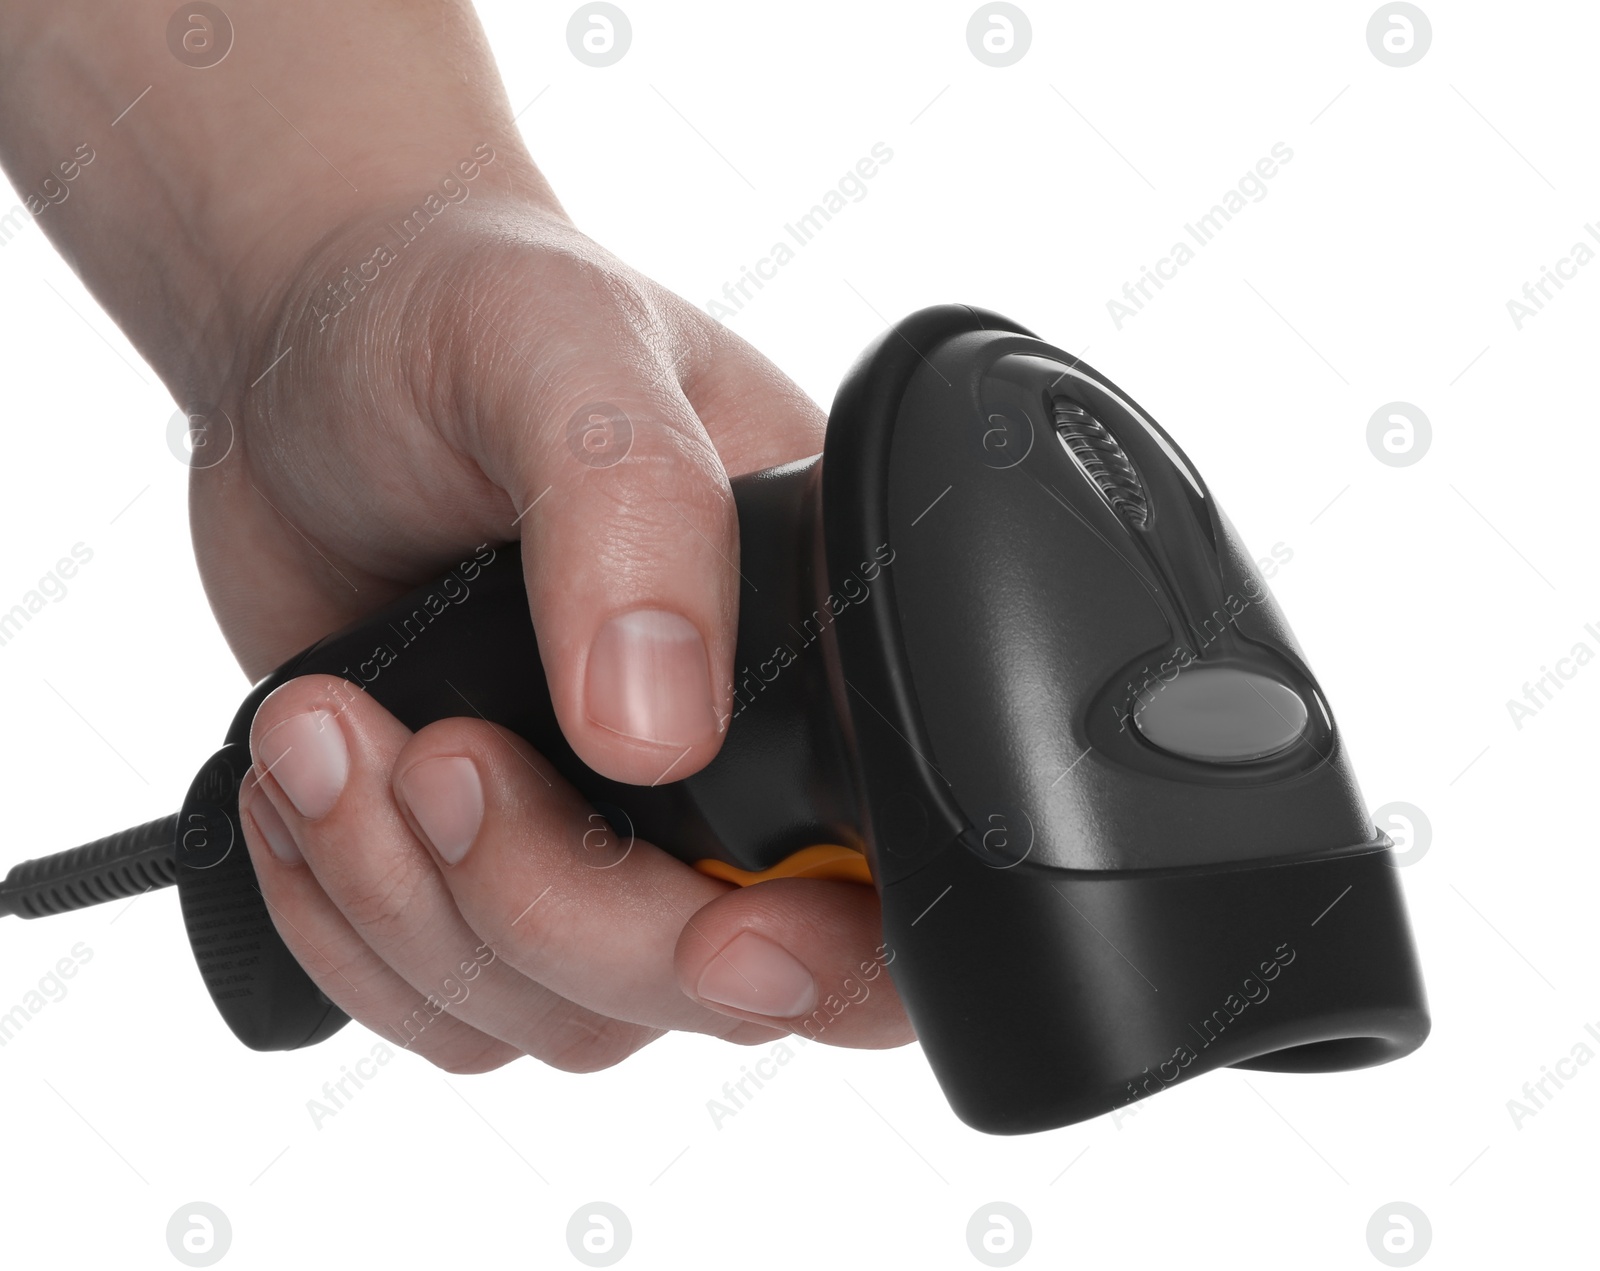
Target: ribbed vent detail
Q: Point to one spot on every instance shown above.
(1096, 451)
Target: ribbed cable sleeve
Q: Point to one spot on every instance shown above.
(113, 868)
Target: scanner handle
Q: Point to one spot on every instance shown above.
(778, 799)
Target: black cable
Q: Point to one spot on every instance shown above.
(113, 868)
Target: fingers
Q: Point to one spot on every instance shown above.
(628, 930)
(632, 574)
(756, 415)
(338, 960)
(630, 543)
(387, 942)
(452, 894)
(560, 895)
(801, 952)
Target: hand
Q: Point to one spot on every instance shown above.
(410, 422)
(392, 407)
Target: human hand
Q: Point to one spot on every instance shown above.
(393, 406)
(425, 417)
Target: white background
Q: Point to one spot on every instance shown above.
(1416, 204)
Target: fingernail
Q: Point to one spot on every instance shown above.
(648, 678)
(754, 974)
(446, 797)
(307, 755)
(272, 828)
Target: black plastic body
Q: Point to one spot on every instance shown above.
(116, 867)
(945, 630)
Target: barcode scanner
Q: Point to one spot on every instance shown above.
(1001, 654)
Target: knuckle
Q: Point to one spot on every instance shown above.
(377, 903)
(653, 513)
(525, 945)
(454, 735)
(580, 1045)
(598, 286)
(545, 936)
(635, 436)
(474, 1055)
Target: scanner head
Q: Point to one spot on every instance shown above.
(1105, 797)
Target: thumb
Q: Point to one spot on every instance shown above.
(630, 549)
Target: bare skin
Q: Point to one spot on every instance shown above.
(384, 414)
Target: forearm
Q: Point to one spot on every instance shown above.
(181, 194)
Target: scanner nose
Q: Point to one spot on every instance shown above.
(1222, 714)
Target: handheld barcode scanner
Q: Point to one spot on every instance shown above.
(1001, 653)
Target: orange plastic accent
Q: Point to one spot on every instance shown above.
(823, 860)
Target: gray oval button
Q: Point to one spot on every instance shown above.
(1222, 714)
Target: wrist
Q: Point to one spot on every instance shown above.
(215, 183)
